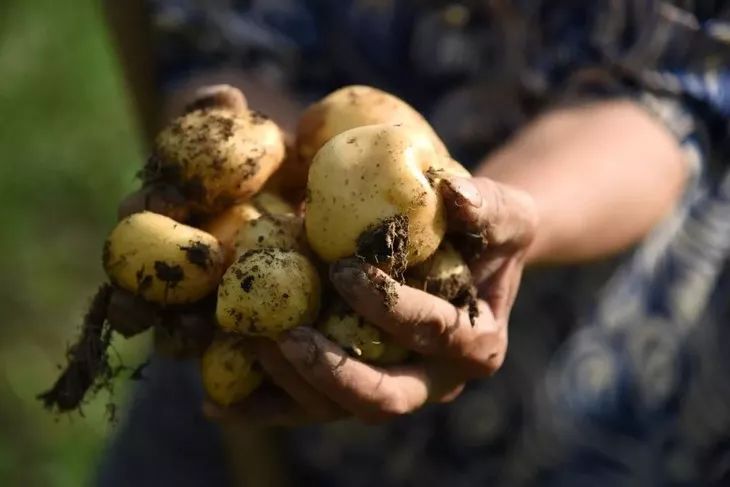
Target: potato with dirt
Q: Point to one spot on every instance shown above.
(370, 194)
(356, 106)
(161, 260)
(268, 291)
(228, 370)
(285, 232)
(216, 156)
(361, 339)
(444, 274)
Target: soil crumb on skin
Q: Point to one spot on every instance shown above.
(198, 254)
(171, 275)
(387, 289)
(385, 245)
(468, 298)
(88, 361)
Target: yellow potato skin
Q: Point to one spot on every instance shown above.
(268, 291)
(225, 225)
(356, 106)
(364, 340)
(161, 260)
(217, 156)
(366, 175)
(285, 232)
(227, 370)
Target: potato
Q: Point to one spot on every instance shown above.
(268, 291)
(216, 156)
(225, 226)
(444, 274)
(161, 260)
(228, 370)
(285, 232)
(363, 340)
(355, 106)
(368, 193)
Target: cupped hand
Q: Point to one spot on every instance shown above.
(317, 381)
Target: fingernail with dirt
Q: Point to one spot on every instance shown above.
(463, 191)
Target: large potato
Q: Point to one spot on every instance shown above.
(217, 156)
(228, 370)
(355, 106)
(268, 291)
(372, 184)
(161, 260)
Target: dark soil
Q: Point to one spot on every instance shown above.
(198, 254)
(385, 245)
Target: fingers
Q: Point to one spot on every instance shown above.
(285, 376)
(370, 393)
(423, 322)
(503, 215)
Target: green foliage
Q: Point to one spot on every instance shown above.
(68, 152)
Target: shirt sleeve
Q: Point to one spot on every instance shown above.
(674, 61)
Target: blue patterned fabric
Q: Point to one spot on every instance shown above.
(617, 371)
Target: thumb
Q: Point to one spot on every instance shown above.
(500, 214)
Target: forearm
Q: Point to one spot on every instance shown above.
(601, 176)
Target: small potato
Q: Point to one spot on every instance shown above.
(228, 370)
(225, 226)
(444, 274)
(285, 232)
(216, 156)
(365, 341)
(161, 260)
(370, 184)
(356, 106)
(268, 291)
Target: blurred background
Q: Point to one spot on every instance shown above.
(70, 150)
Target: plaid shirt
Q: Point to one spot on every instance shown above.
(617, 371)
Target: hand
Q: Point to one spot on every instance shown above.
(318, 381)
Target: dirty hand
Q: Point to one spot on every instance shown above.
(318, 381)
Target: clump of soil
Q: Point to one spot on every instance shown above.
(385, 245)
(467, 297)
(197, 254)
(387, 290)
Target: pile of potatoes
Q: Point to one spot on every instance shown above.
(215, 253)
